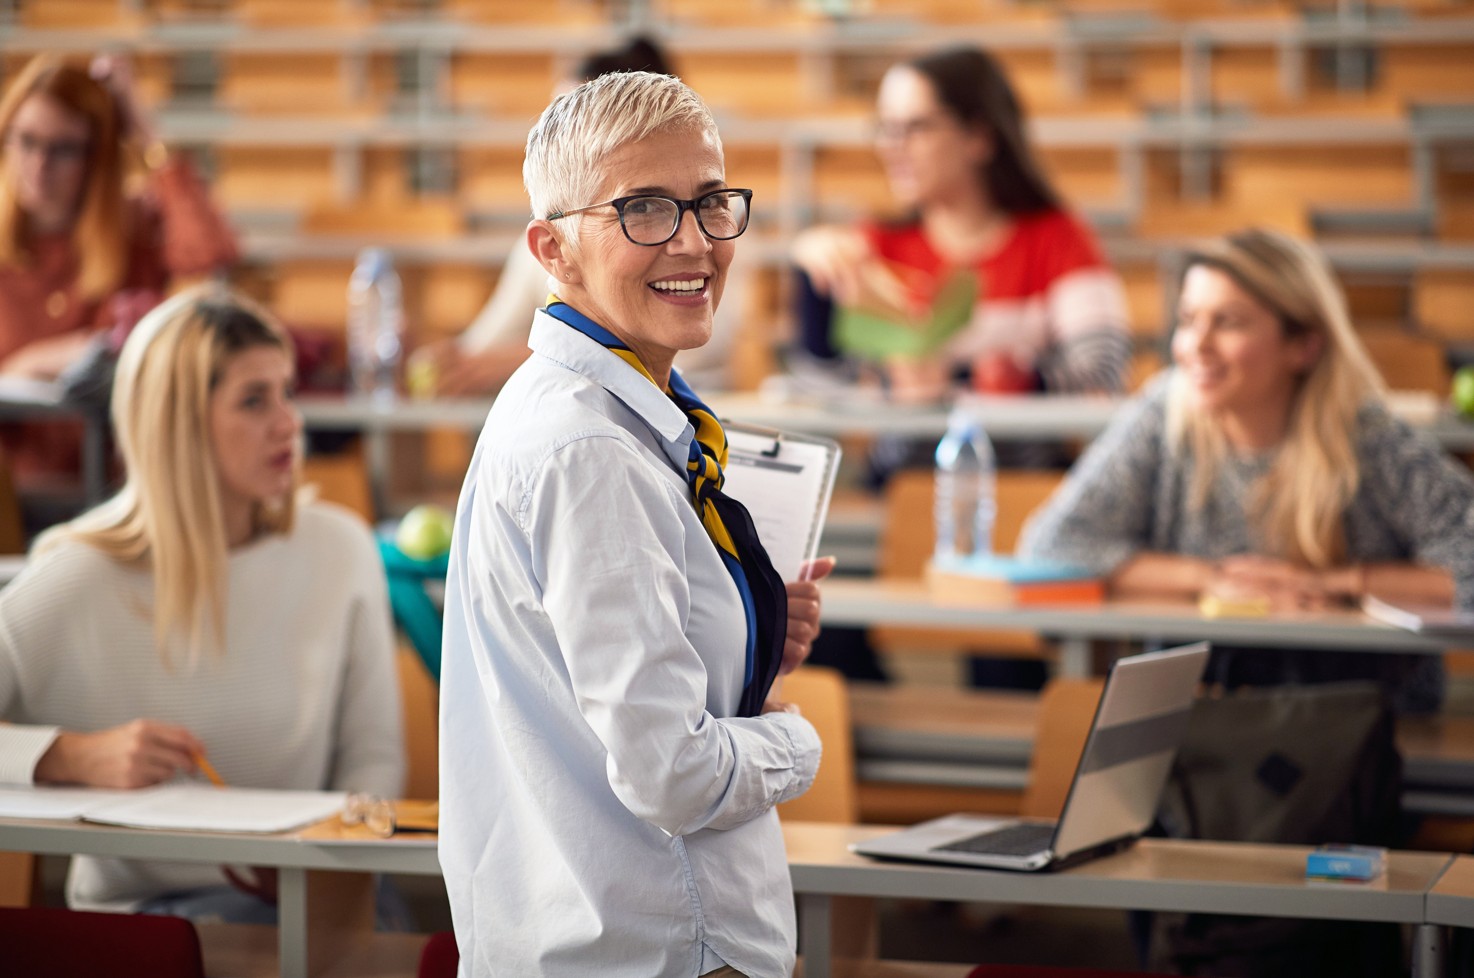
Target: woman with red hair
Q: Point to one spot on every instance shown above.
(84, 246)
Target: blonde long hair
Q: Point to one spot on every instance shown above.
(168, 514)
(100, 234)
(1299, 503)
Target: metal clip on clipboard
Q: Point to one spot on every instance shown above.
(757, 429)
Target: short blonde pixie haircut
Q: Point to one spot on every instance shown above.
(168, 514)
(567, 147)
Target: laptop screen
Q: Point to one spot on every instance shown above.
(1139, 724)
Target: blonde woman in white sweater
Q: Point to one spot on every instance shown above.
(203, 611)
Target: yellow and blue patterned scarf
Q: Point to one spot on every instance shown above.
(764, 597)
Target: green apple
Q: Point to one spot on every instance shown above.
(424, 533)
(1462, 392)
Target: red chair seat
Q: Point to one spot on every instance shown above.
(1039, 971)
(46, 942)
(440, 957)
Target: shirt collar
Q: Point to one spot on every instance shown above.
(585, 356)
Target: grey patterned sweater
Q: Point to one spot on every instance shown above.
(1129, 493)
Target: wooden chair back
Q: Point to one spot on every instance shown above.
(909, 534)
(1408, 361)
(341, 478)
(420, 697)
(18, 879)
(820, 693)
(908, 537)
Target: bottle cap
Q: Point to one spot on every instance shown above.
(375, 261)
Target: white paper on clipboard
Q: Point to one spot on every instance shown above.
(785, 481)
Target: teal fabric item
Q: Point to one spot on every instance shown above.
(414, 611)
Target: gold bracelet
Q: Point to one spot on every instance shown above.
(155, 155)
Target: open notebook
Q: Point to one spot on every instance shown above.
(188, 807)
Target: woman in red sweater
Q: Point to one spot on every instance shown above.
(1049, 314)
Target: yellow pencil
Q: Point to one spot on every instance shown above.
(209, 770)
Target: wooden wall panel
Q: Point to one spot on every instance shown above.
(270, 176)
(491, 179)
(1144, 298)
(753, 83)
(851, 178)
(284, 84)
(514, 86)
(313, 293)
(1443, 302)
(1246, 77)
(1084, 177)
(1354, 176)
(1432, 71)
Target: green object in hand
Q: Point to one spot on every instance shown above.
(873, 336)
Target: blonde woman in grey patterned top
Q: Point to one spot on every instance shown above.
(1265, 463)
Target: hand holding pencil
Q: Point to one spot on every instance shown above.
(136, 754)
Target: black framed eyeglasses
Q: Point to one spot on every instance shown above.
(651, 220)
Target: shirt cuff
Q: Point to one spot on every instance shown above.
(805, 748)
(20, 748)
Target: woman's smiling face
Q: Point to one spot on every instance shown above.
(1233, 349)
(657, 299)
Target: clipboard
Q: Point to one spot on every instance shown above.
(785, 480)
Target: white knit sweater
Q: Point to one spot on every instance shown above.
(303, 697)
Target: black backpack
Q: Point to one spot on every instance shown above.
(1301, 765)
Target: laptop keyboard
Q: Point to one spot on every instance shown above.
(1022, 839)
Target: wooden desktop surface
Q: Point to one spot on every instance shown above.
(1154, 874)
(862, 603)
(846, 412)
(1451, 901)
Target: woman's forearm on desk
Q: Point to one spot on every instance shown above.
(1406, 583)
(1160, 575)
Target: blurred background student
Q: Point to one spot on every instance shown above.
(478, 361)
(1266, 466)
(1049, 312)
(84, 246)
(204, 611)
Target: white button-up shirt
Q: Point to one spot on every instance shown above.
(602, 809)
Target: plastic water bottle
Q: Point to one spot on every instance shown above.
(966, 489)
(375, 324)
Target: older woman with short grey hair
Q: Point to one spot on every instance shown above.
(610, 756)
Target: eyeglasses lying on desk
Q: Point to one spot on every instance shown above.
(372, 812)
(384, 817)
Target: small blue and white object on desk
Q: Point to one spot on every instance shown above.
(1017, 570)
(1345, 862)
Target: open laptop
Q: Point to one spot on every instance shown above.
(1113, 798)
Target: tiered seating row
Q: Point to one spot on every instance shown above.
(329, 125)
